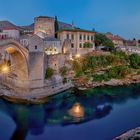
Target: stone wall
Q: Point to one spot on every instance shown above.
(56, 61)
(36, 69)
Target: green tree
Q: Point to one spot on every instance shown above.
(56, 26)
(135, 61)
(101, 39)
(88, 45)
(77, 67)
(118, 72)
(49, 73)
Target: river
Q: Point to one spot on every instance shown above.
(95, 114)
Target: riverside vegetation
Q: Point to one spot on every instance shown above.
(103, 68)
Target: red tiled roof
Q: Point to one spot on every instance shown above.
(117, 38)
(10, 28)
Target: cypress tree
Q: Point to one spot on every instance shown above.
(56, 26)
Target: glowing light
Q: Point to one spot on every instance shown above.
(71, 57)
(77, 111)
(5, 69)
(77, 55)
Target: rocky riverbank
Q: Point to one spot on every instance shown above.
(113, 82)
(133, 134)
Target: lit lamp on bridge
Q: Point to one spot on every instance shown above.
(5, 69)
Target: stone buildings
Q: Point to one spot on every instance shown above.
(40, 49)
(9, 30)
(81, 41)
(70, 40)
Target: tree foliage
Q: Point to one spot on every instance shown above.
(88, 45)
(117, 72)
(63, 70)
(102, 40)
(135, 61)
(49, 73)
(56, 26)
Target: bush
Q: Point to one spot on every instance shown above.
(64, 80)
(119, 61)
(134, 61)
(101, 39)
(118, 72)
(88, 45)
(49, 73)
(63, 70)
(77, 67)
(101, 77)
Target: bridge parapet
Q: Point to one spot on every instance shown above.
(16, 42)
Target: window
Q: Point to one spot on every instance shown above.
(67, 36)
(80, 37)
(35, 47)
(72, 45)
(84, 37)
(72, 37)
(92, 37)
(80, 45)
(88, 37)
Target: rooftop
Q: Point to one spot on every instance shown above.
(76, 30)
(7, 25)
(50, 39)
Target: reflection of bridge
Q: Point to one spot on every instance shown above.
(29, 66)
(34, 119)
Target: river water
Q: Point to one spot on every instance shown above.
(96, 114)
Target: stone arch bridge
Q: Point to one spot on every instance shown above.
(27, 68)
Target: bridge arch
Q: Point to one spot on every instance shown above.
(19, 60)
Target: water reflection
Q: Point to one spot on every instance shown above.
(77, 112)
(66, 109)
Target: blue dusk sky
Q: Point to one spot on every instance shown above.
(117, 16)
